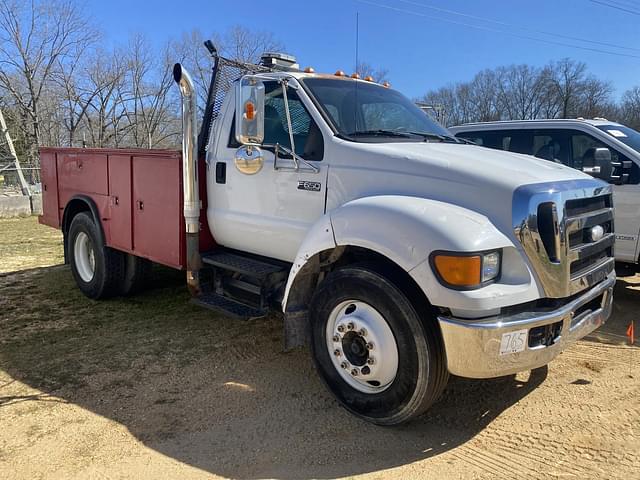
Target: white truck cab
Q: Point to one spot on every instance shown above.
(574, 142)
(409, 254)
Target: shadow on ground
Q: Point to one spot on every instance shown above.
(211, 392)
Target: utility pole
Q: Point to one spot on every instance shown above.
(12, 152)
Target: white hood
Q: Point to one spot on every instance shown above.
(477, 178)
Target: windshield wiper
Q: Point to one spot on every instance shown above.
(379, 133)
(436, 136)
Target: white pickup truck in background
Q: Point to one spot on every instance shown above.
(574, 142)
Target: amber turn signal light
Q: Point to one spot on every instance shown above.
(459, 271)
(249, 110)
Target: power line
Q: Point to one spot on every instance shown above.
(494, 30)
(610, 5)
(511, 25)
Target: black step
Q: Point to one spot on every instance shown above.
(247, 265)
(227, 306)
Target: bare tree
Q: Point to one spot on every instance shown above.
(36, 37)
(148, 95)
(379, 74)
(484, 96)
(520, 88)
(104, 121)
(630, 107)
(245, 45)
(595, 100)
(566, 83)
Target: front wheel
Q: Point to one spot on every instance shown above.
(373, 347)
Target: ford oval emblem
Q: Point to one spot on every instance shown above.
(597, 233)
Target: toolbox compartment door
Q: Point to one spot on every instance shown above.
(158, 232)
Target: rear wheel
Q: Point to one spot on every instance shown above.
(137, 271)
(376, 354)
(97, 269)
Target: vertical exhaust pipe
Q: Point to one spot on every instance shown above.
(191, 206)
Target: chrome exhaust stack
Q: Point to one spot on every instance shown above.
(191, 197)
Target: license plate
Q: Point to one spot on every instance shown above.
(513, 342)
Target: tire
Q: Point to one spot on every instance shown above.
(396, 387)
(98, 270)
(137, 271)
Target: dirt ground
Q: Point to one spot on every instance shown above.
(154, 387)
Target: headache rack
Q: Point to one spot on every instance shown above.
(226, 71)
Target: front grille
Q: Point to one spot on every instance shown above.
(566, 230)
(581, 216)
(584, 205)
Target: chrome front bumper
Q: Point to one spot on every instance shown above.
(507, 344)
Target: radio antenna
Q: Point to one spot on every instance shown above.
(355, 106)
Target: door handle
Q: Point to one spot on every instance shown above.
(140, 204)
(221, 172)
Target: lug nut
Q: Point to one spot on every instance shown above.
(354, 372)
(369, 346)
(336, 338)
(341, 328)
(370, 361)
(365, 370)
(344, 365)
(349, 326)
(337, 352)
(362, 332)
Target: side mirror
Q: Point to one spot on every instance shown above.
(250, 111)
(602, 166)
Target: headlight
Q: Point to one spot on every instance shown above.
(466, 271)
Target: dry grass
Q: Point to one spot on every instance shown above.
(24, 243)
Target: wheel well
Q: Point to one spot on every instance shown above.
(76, 205)
(322, 263)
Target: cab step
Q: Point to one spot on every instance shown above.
(245, 264)
(242, 284)
(228, 306)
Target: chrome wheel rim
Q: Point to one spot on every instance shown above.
(84, 256)
(362, 346)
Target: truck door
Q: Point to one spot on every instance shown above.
(269, 212)
(625, 197)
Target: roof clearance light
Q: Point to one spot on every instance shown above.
(386, 84)
(355, 75)
(368, 78)
(309, 70)
(340, 73)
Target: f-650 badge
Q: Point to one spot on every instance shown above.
(309, 186)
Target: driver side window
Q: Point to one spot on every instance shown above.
(306, 134)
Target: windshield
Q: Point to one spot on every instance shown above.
(363, 111)
(626, 135)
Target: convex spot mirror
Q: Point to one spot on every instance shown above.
(600, 165)
(250, 111)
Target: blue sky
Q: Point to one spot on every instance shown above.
(420, 50)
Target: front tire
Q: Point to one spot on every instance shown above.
(378, 352)
(98, 270)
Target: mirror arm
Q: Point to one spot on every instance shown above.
(296, 159)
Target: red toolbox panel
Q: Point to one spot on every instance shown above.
(157, 209)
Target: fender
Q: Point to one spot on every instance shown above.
(406, 230)
(76, 204)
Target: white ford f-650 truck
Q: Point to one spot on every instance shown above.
(398, 253)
